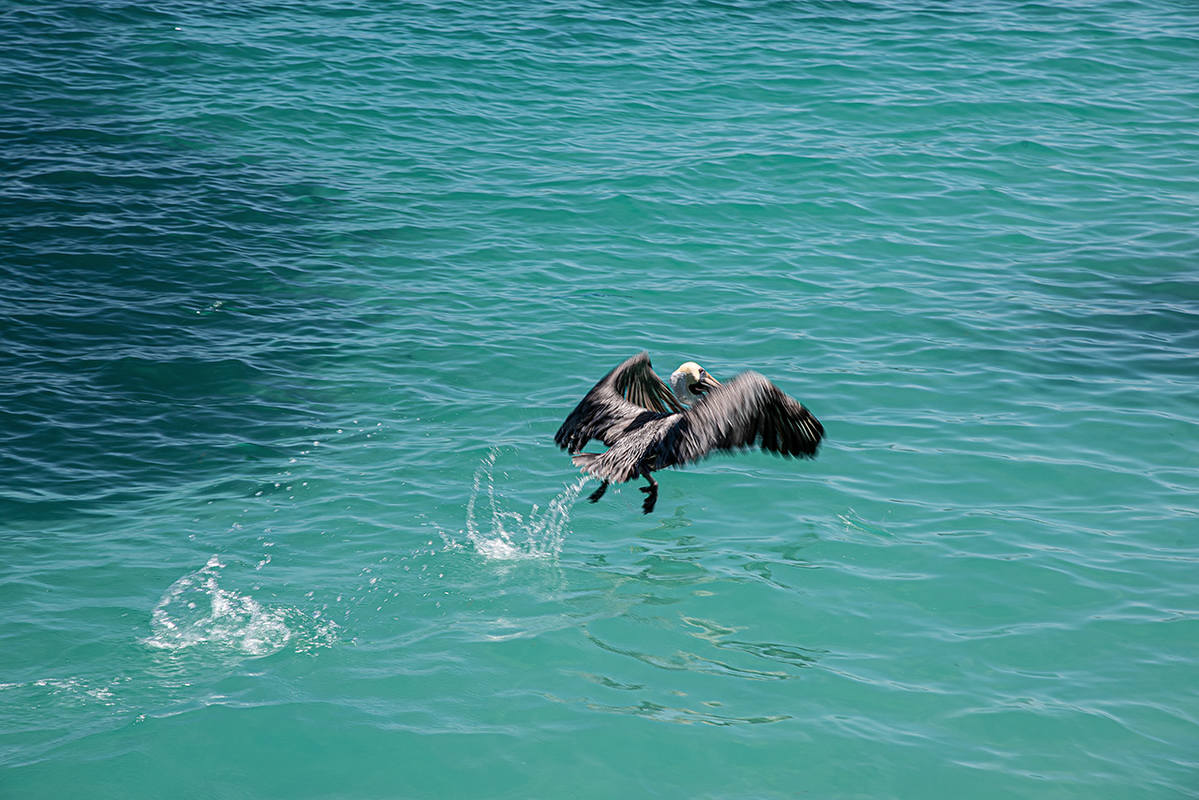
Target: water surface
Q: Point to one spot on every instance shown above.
(293, 298)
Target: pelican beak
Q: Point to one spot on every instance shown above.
(705, 384)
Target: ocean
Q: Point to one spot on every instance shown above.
(294, 296)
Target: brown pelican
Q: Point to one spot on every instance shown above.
(647, 428)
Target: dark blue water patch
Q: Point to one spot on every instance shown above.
(165, 305)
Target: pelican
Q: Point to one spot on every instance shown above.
(648, 426)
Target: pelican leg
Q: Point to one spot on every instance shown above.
(651, 494)
(598, 493)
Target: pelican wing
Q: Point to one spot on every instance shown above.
(628, 396)
(749, 410)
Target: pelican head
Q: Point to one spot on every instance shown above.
(691, 381)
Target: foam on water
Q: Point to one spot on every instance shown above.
(196, 610)
(508, 535)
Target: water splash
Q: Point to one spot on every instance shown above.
(510, 535)
(195, 610)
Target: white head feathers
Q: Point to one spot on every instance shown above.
(683, 378)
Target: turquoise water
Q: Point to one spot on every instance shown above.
(294, 297)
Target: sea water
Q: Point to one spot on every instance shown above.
(293, 297)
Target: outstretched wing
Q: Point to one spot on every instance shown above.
(626, 397)
(749, 410)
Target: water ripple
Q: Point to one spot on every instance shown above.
(275, 276)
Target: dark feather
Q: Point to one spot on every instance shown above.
(747, 411)
(628, 396)
(627, 411)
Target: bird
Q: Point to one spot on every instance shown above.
(649, 426)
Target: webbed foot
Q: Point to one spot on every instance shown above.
(651, 498)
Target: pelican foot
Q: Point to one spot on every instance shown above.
(651, 498)
(598, 493)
